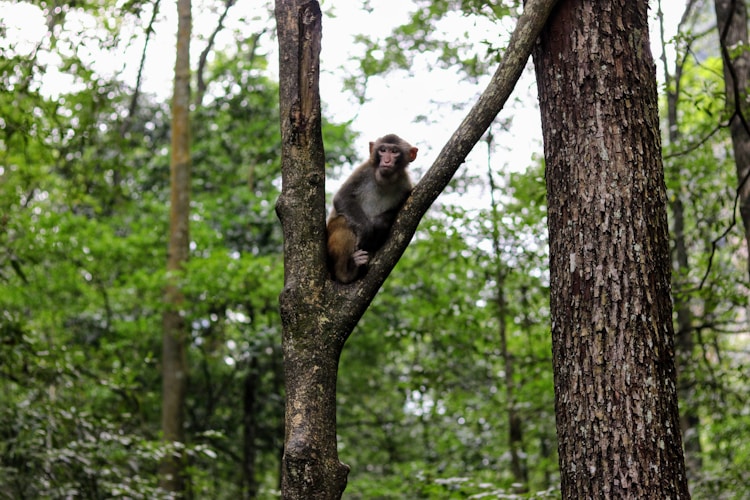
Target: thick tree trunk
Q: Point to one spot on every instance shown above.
(174, 359)
(731, 20)
(613, 354)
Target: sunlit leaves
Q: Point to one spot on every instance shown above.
(428, 41)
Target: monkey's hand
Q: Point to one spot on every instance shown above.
(360, 257)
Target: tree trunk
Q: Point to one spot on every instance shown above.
(318, 314)
(515, 425)
(690, 423)
(249, 428)
(310, 465)
(684, 344)
(613, 355)
(174, 359)
(731, 22)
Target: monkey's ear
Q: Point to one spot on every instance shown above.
(412, 153)
(372, 146)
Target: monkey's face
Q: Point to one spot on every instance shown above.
(389, 159)
(390, 155)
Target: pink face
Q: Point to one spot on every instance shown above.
(389, 156)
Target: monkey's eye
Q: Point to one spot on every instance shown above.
(386, 148)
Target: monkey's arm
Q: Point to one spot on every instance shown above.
(346, 203)
(381, 228)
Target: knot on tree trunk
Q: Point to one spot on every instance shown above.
(311, 476)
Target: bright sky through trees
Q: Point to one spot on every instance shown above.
(393, 101)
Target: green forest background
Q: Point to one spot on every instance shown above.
(445, 387)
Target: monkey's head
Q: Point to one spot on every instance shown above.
(391, 154)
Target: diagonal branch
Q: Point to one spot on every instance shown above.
(453, 154)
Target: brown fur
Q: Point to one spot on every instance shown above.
(366, 206)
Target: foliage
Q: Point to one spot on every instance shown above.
(82, 250)
(700, 172)
(431, 35)
(423, 403)
(429, 379)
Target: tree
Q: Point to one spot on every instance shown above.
(317, 314)
(175, 334)
(731, 20)
(709, 275)
(515, 425)
(616, 402)
(684, 342)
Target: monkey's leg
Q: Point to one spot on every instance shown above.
(342, 250)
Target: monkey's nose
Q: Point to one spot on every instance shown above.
(387, 160)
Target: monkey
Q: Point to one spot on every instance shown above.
(366, 205)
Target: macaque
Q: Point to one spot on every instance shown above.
(366, 206)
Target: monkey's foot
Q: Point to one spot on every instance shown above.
(360, 257)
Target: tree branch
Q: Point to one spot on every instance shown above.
(453, 154)
(200, 72)
(128, 121)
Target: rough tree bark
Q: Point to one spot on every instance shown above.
(174, 340)
(731, 20)
(317, 314)
(612, 335)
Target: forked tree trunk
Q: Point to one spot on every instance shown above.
(174, 360)
(317, 314)
(731, 21)
(310, 466)
(613, 355)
